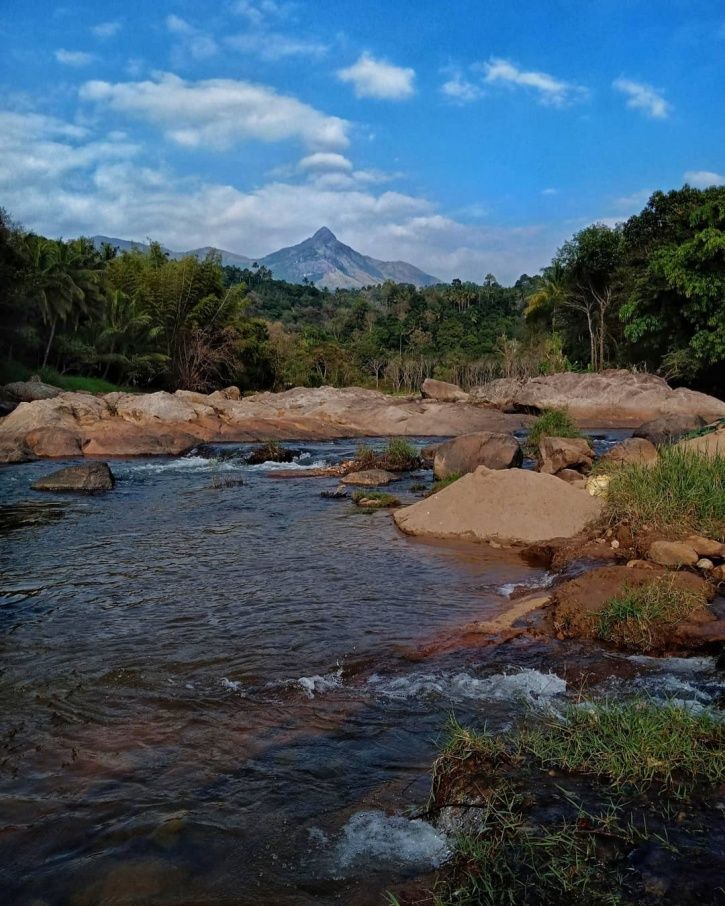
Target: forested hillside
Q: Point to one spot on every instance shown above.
(649, 293)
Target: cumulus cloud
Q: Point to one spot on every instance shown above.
(548, 89)
(460, 90)
(105, 30)
(262, 10)
(325, 161)
(373, 78)
(271, 46)
(219, 113)
(703, 179)
(74, 57)
(643, 97)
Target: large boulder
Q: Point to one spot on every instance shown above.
(508, 506)
(469, 451)
(669, 428)
(673, 553)
(87, 478)
(614, 397)
(28, 391)
(633, 450)
(557, 453)
(442, 391)
(370, 478)
(710, 444)
(145, 407)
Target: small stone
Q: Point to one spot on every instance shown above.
(718, 574)
(615, 544)
(706, 547)
(672, 553)
(704, 563)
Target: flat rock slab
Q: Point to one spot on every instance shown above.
(370, 478)
(510, 506)
(88, 478)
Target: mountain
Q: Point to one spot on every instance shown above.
(325, 261)
(322, 259)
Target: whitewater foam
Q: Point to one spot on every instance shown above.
(372, 837)
(527, 684)
(313, 685)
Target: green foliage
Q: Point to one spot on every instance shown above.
(443, 483)
(637, 617)
(374, 499)
(552, 423)
(682, 493)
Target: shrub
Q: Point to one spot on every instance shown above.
(552, 423)
(683, 492)
(640, 615)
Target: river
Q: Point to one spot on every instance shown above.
(223, 693)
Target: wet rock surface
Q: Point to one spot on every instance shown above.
(88, 478)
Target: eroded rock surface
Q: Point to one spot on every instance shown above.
(558, 453)
(509, 506)
(610, 398)
(442, 391)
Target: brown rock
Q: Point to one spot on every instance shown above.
(571, 476)
(370, 478)
(635, 450)
(613, 397)
(469, 451)
(669, 428)
(672, 553)
(228, 393)
(509, 506)
(442, 391)
(53, 443)
(706, 547)
(710, 444)
(557, 453)
(639, 564)
(88, 478)
(718, 574)
(28, 391)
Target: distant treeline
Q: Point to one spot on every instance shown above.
(648, 293)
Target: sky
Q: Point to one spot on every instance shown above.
(466, 137)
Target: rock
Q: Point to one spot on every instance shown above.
(639, 564)
(710, 444)
(571, 476)
(145, 407)
(88, 478)
(672, 553)
(272, 452)
(613, 397)
(370, 478)
(635, 450)
(376, 503)
(28, 391)
(54, 443)
(718, 574)
(669, 428)
(598, 486)
(557, 453)
(509, 506)
(705, 564)
(427, 454)
(469, 451)
(442, 391)
(338, 493)
(706, 547)
(228, 393)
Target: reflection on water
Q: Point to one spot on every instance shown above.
(208, 692)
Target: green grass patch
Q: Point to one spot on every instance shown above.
(551, 423)
(11, 371)
(374, 499)
(397, 456)
(639, 616)
(443, 483)
(682, 493)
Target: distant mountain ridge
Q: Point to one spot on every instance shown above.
(322, 260)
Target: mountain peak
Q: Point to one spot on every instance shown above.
(325, 234)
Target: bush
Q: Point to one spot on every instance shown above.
(552, 423)
(638, 617)
(683, 492)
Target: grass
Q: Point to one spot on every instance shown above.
(636, 743)
(443, 483)
(380, 498)
(638, 616)
(551, 423)
(682, 493)
(397, 456)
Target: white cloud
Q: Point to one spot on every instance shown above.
(643, 97)
(219, 113)
(105, 29)
(632, 204)
(702, 179)
(373, 78)
(326, 161)
(271, 46)
(550, 191)
(191, 40)
(262, 10)
(460, 90)
(74, 57)
(550, 90)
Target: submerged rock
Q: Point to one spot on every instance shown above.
(469, 451)
(88, 478)
(370, 478)
(508, 506)
(338, 493)
(271, 452)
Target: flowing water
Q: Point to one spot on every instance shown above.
(223, 693)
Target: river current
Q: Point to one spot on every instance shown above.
(213, 692)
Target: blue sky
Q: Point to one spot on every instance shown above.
(466, 137)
